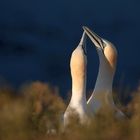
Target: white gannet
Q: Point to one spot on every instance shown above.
(102, 93)
(78, 103)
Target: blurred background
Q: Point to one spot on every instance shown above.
(38, 37)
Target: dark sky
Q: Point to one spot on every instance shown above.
(38, 36)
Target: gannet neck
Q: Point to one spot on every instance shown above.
(107, 67)
(102, 93)
(78, 74)
(78, 89)
(105, 75)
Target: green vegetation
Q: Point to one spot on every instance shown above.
(39, 109)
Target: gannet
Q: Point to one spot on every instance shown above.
(78, 103)
(102, 93)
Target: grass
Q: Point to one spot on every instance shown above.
(39, 108)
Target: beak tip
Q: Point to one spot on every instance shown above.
(84, 27)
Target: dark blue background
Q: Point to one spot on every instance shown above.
(38, 36)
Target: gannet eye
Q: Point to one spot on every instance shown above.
(104, 43)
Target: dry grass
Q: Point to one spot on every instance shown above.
(39, 109)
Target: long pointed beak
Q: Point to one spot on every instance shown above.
(83, 42)
(98, 42)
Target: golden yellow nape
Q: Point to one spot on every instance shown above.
(110, 53)
(78, 67)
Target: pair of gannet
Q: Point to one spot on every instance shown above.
(102, 93)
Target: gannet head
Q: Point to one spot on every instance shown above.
(106, 47)
(110, 53)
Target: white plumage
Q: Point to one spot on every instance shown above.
(102, 93)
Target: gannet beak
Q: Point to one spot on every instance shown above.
(83, 42)
(98, 41)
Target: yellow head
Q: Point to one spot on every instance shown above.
(110, 53)
(78, 67)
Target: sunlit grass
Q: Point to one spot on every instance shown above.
(36, 114)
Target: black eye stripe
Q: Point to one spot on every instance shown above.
(83, 49)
